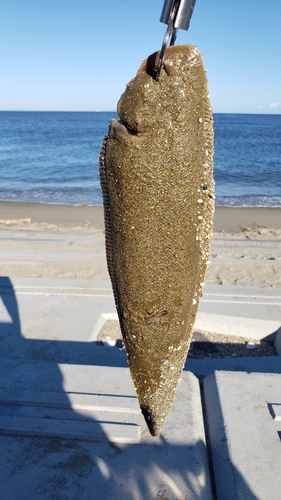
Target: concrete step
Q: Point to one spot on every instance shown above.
(51, 308)
(98, 406)
(253, 312)
(244, 422)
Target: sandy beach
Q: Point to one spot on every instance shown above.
(40, 240)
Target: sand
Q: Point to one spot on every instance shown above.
(60, 215)
(39, 240)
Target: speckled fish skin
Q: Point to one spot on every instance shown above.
(156, 168)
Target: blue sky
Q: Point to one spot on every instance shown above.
(78, 55)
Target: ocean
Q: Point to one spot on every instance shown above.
(52, 157)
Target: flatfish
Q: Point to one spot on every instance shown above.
(156, 171)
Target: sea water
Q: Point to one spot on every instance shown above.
(52, 157)
(247, 159)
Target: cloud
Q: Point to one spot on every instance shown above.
(274, 105)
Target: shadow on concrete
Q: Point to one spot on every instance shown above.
(56, 468)
(229, 482)
(60, 469)
(14, 345)
(9, 300)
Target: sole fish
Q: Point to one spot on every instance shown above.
(156, 170)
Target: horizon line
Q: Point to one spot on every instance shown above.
(115, 111)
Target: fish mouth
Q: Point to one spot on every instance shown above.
(130, 130)
(123, 128)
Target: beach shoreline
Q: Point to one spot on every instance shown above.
(229, 219)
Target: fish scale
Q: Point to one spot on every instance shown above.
(156, 170)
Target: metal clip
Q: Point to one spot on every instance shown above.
(177, 14)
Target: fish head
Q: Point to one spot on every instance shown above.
(147, 102)
(139, 105)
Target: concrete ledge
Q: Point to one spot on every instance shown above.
(253, 312)
(52, 308)
(243, 416)
(263, 364)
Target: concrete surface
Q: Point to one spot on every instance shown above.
(247, 311)
(203, 367)
(110, 453)
(70, 423)
(70, 426)
(254, 312)
(244, 422)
